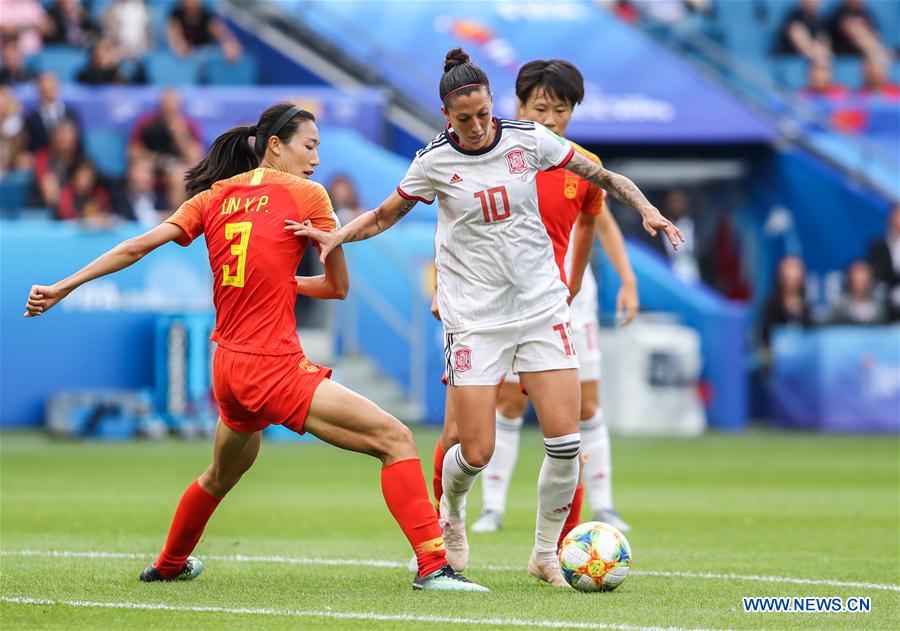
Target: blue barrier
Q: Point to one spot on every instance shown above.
(217, 108)
(99, 337)
(657, 104)
(836, 379)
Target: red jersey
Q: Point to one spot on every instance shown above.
(561, 196)
(253, 258)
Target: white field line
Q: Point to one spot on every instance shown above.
(342, 615)
(240, 558)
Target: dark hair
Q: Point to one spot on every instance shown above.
(459, 72)
(231, 152)
(557, 77)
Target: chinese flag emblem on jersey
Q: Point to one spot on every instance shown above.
(570, 188)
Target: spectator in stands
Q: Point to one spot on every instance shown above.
(787, 303)
(166, 135)
(884, 257)
(858, 304)
(876, 82)
(103, 66)
(13, 70)
(820, 82)
(129, 25)
(344, 198)
(685, 265)
(13, 154)
(50, 112)
(137, 199)
(803, 32)
(68, 22)
(84, 198)
(854, 31)
(191, 25)
(23, 20)
(54, 163)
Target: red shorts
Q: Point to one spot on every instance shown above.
(255, 391)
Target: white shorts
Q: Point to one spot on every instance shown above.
(482, 357)
(587, 347)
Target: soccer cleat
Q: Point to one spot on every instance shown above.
(191, 570)
(488, 521)
(611, 516)
(455, 543)
(447, 579)
(547, 571)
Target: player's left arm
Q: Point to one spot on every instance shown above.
(582, 244)
(627, 192)
(334, 284)
(627, 302)
(128, 252)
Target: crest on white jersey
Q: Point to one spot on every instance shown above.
(516, 161)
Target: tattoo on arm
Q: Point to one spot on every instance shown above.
(381, 219)
(620, 186)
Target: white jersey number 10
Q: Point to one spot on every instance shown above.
(489, 198)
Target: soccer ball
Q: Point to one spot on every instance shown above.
(595, 557)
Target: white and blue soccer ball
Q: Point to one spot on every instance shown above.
(595, 557)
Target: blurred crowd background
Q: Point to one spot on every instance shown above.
(105, 103)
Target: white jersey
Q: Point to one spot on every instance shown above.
(584, 307)
(493, 256)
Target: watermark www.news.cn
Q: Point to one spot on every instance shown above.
(806, 604)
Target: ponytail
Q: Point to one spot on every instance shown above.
(229, 155)
(232, 152)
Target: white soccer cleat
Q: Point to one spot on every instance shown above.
(611, 516)
(488, 521)
(547, 571)
(455, 542)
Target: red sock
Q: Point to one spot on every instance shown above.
(437, 481)
(574, 517)
(406, 496)
(194, 510)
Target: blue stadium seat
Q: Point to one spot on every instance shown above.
(791, 72)
(165, 68)
(895, 71)
(15, 187)
(64, 61)
(220, 71)
(107, 148)
(847, 72)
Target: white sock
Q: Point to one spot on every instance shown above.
(556, 487)
(498, 472)
(457, 478)
(598, 467)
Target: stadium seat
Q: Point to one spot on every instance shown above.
(107, 147)
(165, 68)
(14, 189)
(847, 72)
(64, 61)
(791, 72)
(220, 71)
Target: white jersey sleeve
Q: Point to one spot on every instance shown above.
(416, 184)
(551, 151)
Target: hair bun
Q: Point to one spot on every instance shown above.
(454, 58)
(251, 130)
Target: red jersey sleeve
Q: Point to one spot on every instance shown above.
(189, 217)
(315, 206)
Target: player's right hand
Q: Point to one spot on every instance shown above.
(40, 299)
(327, 241)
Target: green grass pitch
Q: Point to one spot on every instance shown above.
(730, 510)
